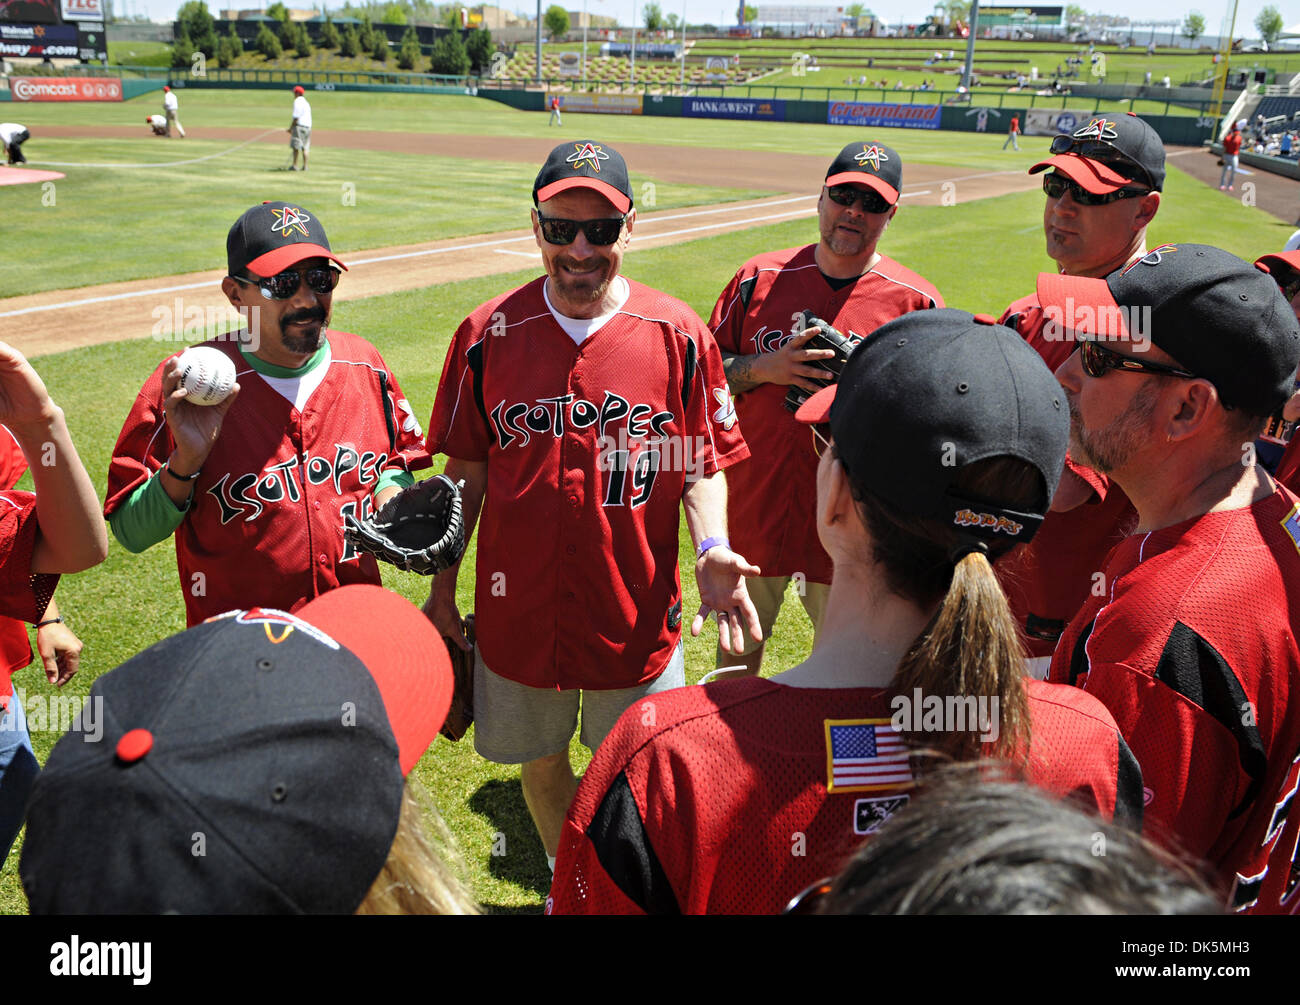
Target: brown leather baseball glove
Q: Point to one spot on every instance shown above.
(461, 713)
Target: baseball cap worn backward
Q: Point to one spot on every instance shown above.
(868, 163)
(1129, 138)
(933, 391)
(585, 164)
(253, 764)
(273, 237)
(1216, 315)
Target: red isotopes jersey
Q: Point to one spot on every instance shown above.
(770, 498)
(22, 595)
(734, 797)
(588, 451)
(265, 527)
(1048, 579)
(15, 650)
(1193, 650)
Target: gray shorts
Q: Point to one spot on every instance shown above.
(300, 138)
(515, 723)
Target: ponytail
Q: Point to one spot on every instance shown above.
(972, 649)
(971, 654)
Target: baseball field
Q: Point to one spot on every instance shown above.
(428, 198)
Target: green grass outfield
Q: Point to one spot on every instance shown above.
(142, 221)
(981, 255)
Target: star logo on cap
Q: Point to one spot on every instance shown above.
(288, 219)
(589, 154)
(1102, 129)
(872, 155)
(1153, 257)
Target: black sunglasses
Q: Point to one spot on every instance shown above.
(1056, 185)
(1097, 359)
(821, 434)
(1102, 153)
(602, 232)
(320, 280)
(847, 195)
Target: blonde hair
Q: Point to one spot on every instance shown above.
(420, 875)
(972, 646)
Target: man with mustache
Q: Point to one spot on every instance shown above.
(582, 410)
(1104, 190)
(1191, 643)
(255, 488)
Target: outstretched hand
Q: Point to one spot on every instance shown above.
(720, 574)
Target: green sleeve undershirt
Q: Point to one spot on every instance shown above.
(149, 515)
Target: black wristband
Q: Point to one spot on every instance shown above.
(181, 478)
(51, 621)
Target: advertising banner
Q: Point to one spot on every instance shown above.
(609, 104)
(1049, 122)
(83, 10)
(58, 41)
(876, 114)
(66, 89)
(768, 109)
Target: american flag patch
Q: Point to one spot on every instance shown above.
(865, 755)
(1291, 524)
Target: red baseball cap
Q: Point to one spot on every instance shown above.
(1107, 154)
(585, 164)
(271, 237)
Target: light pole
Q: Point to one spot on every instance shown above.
(683, 83)
(633, 41)
(584, 41)
(539, 41)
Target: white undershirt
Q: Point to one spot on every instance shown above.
(581, 329)
(297, 390)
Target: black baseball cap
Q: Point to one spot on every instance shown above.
(1109, 153)
(1218, 316)
(933, 391)
(872, 164)
(585, 164)
(251, 765)
(271, 237)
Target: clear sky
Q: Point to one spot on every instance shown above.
(720, 12)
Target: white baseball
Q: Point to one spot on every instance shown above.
(207, 374)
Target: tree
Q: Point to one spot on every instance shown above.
(366, 34)
(224, 56)
(454, 19)
(479, 48)
(278, 11)
(956, 10)
(393, 14)
(408, 53)
(380, 51)
(349, 44)
(196, 21)
(182, 49)
(1269, 24)
(267, 44)
(556, 20)
(236, 43)
(449, 56)
(287, 33)
(302, 41)
(751, 14)
(654, 16)
(1074, 14)
(855, 11)
(329, 35)
(1194, 26)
